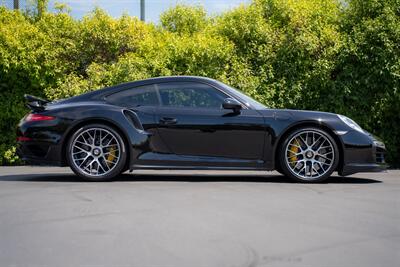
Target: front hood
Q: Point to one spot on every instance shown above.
(310, 113)
(299, 114)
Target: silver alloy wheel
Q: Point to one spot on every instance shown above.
(309, 155)
(95, 152)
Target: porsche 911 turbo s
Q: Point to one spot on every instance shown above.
(186, 122)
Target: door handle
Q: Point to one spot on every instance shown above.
(168, 121)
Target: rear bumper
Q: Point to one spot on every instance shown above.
(39, 155)
(41, 142)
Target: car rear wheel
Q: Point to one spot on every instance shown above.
(309, 155)
(96, 152)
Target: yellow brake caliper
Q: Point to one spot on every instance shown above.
(294, 150)
(111, 156)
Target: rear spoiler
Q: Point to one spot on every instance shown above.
(35, 103)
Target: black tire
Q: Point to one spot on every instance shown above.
(113, 171)
(325, 173)
(278, 168)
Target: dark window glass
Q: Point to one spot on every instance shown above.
(138, 96)
(193, 95)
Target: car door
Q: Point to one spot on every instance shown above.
(192, 122)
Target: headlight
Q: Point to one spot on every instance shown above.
(351, 123)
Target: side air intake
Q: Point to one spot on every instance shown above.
(134, 119)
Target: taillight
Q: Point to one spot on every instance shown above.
(38, 117)
(23, 139)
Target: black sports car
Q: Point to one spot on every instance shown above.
(190, 123)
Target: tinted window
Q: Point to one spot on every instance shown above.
(194, 95)
(138, 96)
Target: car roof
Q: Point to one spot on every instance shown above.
(100, 93)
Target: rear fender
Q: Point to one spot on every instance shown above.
(137, 139)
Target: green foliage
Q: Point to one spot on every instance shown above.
(300, 54)
(10, 156)
(41, 7)
(36, 9)
(368, 69)
(184, 19)
(62, 7)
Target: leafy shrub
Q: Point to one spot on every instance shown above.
(184, 19)
(368, 69)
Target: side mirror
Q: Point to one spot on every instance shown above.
(230, 103)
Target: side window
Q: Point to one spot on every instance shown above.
(134, 97)
(190, 94)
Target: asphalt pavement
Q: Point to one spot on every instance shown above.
(48, 217)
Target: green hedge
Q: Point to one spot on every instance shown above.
(301, 54)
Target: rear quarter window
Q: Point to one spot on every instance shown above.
(134, 97)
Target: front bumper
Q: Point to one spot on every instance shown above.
(358, 167)
(362, 152)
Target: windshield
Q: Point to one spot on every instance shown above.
(250, 102)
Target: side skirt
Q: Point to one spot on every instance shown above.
(151, 160)
(171, 167)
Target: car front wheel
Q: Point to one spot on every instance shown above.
(96, 152)
(309, 155)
